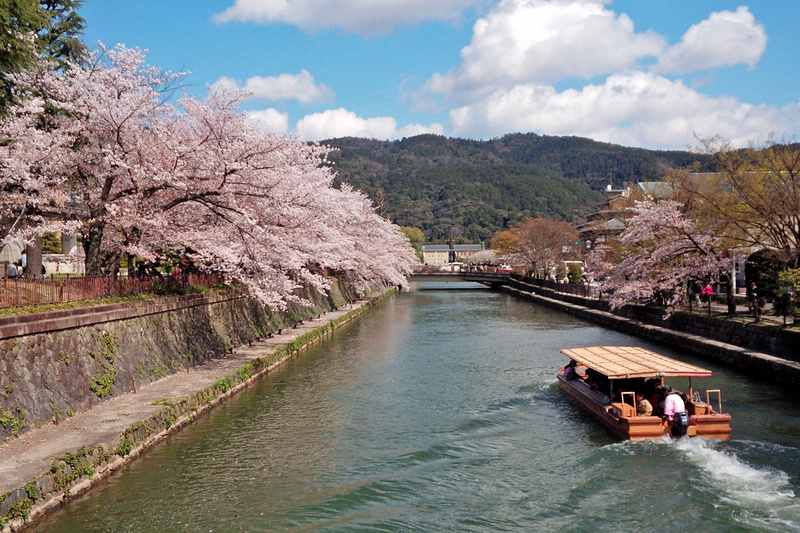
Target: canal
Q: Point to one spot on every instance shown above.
(439, 412)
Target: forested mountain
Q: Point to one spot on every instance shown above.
(475, 188)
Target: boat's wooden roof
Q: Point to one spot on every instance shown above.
(621, 362)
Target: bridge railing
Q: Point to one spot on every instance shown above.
(461, 269)
(584, 290)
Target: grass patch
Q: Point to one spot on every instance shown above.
(164, 401)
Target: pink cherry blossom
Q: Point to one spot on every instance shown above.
(134, 173)
(662, 252)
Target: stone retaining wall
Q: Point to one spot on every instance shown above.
(55, 364)
(756, 363)
(78, 471)
(769, 339)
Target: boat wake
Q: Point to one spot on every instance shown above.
(761, 494)
(742, 483)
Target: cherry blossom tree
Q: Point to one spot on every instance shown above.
(264, 205)
(81, 136)
(662, 250)
(149, 175)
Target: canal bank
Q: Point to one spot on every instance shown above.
(439, 411)
(45, 467)
(763, 365)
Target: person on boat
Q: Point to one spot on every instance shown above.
(652, 393)
(569, 370)
(643, 407)
(598, 381)
(675, 412)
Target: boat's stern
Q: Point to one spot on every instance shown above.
(713, 426)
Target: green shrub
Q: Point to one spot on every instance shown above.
(787, 297)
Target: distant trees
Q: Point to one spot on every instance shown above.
(148, 176)
(483, 257)
(433, 182)
(537, 244)
(416, 238)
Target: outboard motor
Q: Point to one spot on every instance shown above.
(680, 421)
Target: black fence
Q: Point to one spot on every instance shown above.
(587, 290)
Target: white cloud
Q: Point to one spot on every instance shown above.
(523, 48)
(300, 87)
(518, 53)
(365, 17)
(636, 109)
(224, 83)
(343, 123)
(270, 120)
(537, 41)
(726, 38)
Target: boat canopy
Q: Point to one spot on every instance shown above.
(624, 362)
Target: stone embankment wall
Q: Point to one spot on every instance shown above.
(53, 365)
(77, 471)
(766, 351)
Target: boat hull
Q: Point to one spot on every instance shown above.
(621, 420)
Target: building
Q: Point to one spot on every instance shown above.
(600, 229)
(440, 254)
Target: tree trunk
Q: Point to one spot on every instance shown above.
(93, 249)
(731, 298)
(33, 253)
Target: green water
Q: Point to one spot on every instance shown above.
(439, 411)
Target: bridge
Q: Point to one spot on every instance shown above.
(491, 279)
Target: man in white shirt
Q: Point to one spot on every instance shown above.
(673, 404)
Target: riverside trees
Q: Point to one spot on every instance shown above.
(146, 175)
(536, 243)
(755, 197)
(751, 204)
(31, 29)
(662, 250)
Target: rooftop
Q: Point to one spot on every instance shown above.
(623, 362)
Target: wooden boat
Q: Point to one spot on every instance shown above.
(604, 380)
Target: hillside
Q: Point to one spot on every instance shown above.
(475, 188)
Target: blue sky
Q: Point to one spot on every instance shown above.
(649, 73)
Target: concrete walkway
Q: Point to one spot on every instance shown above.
(742, 313)
(24, 458)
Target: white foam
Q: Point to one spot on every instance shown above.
(741, 484)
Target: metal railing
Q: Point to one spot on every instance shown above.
(17, 292)
(584, 290)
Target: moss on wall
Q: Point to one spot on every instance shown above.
(75, 472)
(52, 374)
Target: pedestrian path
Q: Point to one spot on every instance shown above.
(742, 313)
